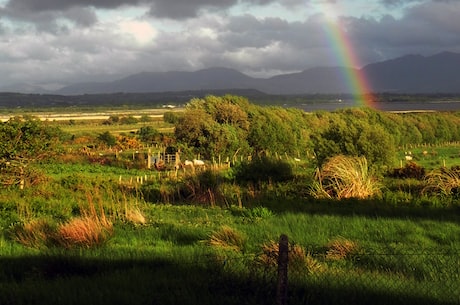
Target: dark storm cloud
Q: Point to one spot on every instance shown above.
(73, 45)
(46, 20)
(172, 9)
(180, 9)
(59, 5)
(425, 29)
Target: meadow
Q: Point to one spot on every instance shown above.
(96, 226)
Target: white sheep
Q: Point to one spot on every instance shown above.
(198, 162)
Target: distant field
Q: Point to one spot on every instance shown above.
(90, 115)
(89, 122)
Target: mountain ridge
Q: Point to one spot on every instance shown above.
(410, 73)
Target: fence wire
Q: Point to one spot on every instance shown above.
(377, 278)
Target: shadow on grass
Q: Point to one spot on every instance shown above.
(357, 207)
(72, 280)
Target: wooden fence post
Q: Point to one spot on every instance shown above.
(149, 159)
(281, 291)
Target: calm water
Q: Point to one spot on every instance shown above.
(388, 106)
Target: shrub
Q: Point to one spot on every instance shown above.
(204, 187)
(263, 169)
(410, 170)
(107, 138)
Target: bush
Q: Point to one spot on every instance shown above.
(107, 138)
(263, 169)
(410, 170)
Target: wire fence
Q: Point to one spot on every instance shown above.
(376, 278)
(334, 277)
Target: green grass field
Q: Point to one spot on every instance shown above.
(344, 252)
(433, 156)
(208, 239)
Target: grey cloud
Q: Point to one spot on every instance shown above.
(250, 44)
(59, 5)
(172, 9)
(47, 20)
(393, 2)
(425, 29)
(181, 9)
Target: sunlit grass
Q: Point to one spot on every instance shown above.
(443, 181)
(343, 177)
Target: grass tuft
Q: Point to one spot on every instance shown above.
(84, 231)
(299, 261)
(341, 248)
(33, 234)
(345, 177)
(90, 229)
(227, 238)
(443, 181)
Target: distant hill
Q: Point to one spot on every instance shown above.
(408, 74)
(322, 80)
(152, 99)
(439, 73)
(207, 79)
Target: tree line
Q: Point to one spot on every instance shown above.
(229, 125)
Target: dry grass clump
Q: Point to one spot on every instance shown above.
(134, 215)
(443, 181)
(127, 210)
(85, 231)
(227, 238)
(90, 229)
(345, 177)
(298, 259)
(33, 234)
(341, 248)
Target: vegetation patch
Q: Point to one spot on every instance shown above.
(343, 177)
(227, 238)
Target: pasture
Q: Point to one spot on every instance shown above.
(99, 227)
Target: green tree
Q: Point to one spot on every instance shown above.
(171, 117)
(22, 142)
(214, 126)
(148, 134)
(128, 120)
(350, 133)
(107, 138)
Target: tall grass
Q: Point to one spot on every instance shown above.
(91, 228)
(344, 177)
(443, 181)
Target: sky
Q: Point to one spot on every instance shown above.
(53, 43)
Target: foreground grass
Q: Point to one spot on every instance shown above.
(400, 259)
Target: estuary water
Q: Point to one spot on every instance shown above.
(426, 106)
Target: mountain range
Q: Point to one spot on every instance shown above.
(438, 73)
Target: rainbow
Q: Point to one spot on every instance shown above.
(343, 51)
